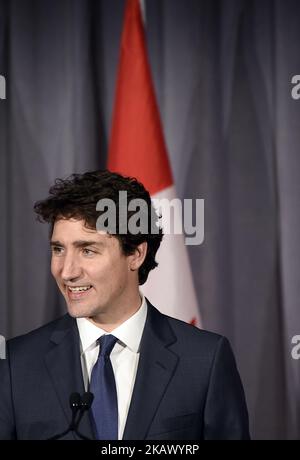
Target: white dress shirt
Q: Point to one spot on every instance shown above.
(124, 356)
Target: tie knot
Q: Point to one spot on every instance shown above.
(107, 343)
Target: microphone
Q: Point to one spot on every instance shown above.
(75, 404)
(86, 402)
(79, 404)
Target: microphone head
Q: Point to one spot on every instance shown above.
(75, 401)
(86, 400)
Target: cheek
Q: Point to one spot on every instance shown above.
(54, 268)
(111, 276)
(119, 274)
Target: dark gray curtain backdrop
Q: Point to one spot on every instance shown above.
(222, 72)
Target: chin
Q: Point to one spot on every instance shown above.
(76, 312)
(89, 312)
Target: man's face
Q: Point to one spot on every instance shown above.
(91, 271)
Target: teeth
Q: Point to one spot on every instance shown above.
(79, 288)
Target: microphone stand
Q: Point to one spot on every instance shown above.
(78, 404)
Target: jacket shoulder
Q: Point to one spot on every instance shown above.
(193, 335)
(36, 338)
(186, 337)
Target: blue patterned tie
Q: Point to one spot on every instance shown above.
(103, 386)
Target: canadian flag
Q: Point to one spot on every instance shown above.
(137, 148)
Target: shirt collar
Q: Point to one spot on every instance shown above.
(129, 332)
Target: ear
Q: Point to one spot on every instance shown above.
(137, 258)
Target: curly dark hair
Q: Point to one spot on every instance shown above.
(77, 197)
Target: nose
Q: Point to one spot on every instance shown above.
(71, 269)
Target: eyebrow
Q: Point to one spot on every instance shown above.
(79, 243)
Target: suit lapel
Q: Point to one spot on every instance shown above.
(156, 367)
(64, 367)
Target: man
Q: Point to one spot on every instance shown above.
(160, 378)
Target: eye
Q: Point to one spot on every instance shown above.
(57, 250)
(88, 252)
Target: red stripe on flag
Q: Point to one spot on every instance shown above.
(137, 145)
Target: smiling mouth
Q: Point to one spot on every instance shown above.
(77, 289)
(78, 292)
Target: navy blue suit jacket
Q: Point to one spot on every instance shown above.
(187, 385)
